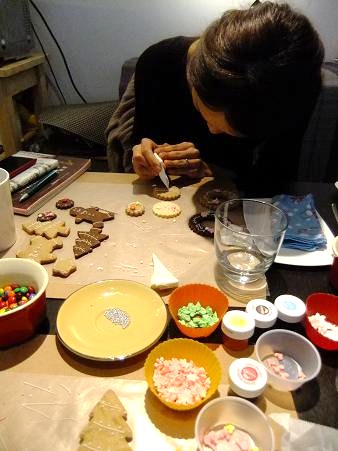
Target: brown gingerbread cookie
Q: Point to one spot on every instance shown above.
(49, 230)
(81, 248)
(97, 233)
(98, 224)
(40, 249)
(64, 204)
(214, 197)
(63, 268)
(91, 214)
(89, 239)
(203, 223)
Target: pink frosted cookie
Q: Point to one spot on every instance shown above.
(180, 381)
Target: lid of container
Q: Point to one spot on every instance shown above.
(247, 377)
(290, 308)
(238, 324)
(263, 312)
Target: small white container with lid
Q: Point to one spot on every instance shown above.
(290, 308)
(247, 377)
(237, 327)
(263, 312)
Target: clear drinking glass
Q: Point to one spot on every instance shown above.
(247, 238)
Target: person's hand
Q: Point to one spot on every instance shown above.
(183, 159)
(144, 163)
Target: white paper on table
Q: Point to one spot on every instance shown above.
(46, 412)
(302, 435)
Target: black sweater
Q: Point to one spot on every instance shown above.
(164, 112)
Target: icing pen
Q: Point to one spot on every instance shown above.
(35, 187)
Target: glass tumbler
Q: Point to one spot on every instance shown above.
(247, 238)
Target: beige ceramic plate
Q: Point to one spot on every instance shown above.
(111, 320)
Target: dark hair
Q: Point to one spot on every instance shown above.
(261, 66)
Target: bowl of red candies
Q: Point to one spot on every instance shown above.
(23, 284)
(321, 320)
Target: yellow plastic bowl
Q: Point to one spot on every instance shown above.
(184, 348)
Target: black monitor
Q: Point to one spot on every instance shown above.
(16, 37)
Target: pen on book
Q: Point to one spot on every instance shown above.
(35, 187)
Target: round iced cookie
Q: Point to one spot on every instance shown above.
(163, 194)
(203, 223)
(64, 204)
(166, 209)
(211, 199)
(135, 209)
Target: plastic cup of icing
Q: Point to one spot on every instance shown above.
(290, 308)
(295, 353)
(237, 327)
(234, 414)
(263, 312)
(247, 377)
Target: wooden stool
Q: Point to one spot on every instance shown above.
(16, 77)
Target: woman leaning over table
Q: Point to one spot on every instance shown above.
(238, 97)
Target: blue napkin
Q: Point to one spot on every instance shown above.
(304, 231)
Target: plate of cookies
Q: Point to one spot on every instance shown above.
(111, 320)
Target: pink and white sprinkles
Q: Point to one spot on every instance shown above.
(324, 327)
(180, 381)
(228, 438)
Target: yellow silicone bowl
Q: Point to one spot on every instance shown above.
(184, 348)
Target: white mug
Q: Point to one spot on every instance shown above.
(7, 224)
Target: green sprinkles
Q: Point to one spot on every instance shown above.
(195, 315)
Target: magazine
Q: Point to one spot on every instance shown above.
(69, 169)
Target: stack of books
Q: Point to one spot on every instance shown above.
(24, 176)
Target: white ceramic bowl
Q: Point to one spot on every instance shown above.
(294, 345)
(239, 412)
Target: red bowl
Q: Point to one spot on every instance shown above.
(325, 304)
(21, 323)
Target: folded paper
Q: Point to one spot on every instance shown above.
(304, 231)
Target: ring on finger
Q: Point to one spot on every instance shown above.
(187, 163)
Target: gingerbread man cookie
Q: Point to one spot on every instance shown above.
(40, 249)
(47, 229)
(91, 214)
